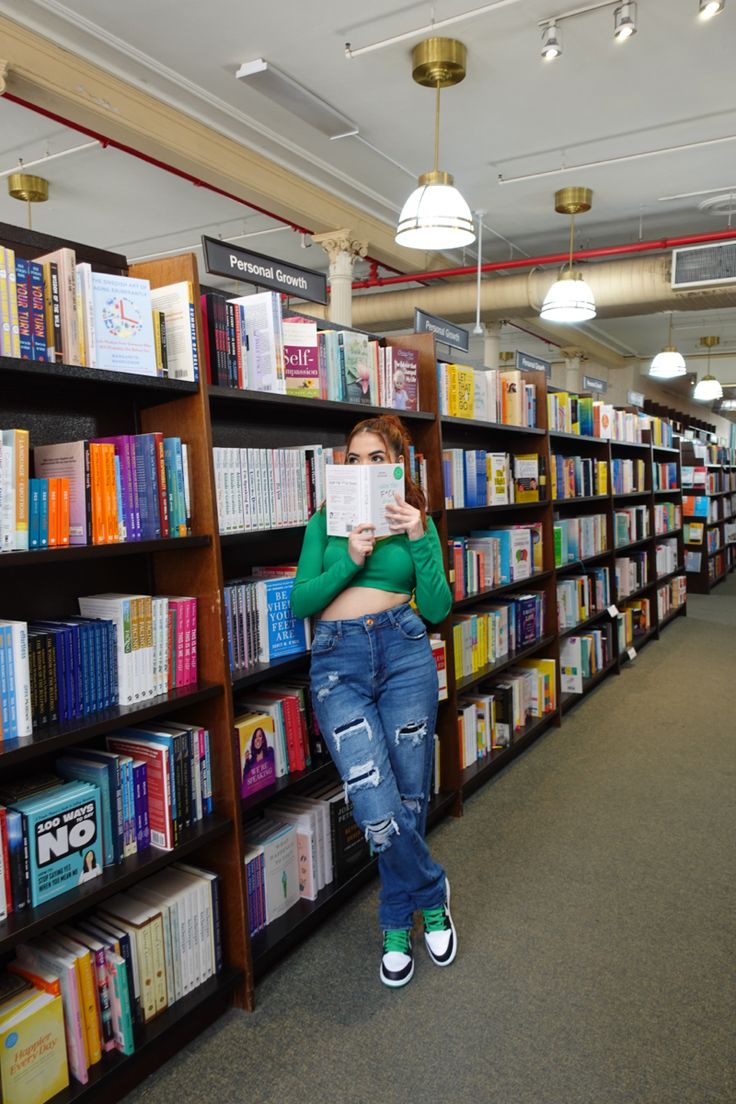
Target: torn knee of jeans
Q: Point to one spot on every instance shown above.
(379, 834)
(412, 803)
(332, 680)
(357, 727)
(361, 777)
(415, 731)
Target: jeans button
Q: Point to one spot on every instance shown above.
(369, 620)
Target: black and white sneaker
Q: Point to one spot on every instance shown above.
(440, 937)
(397, 963)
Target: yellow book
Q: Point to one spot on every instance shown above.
(602, 467)
(457, 647)
(21, 488)
(87, 986)
(465, 392)
(33, 1063)
(452, 390)
(6, 342)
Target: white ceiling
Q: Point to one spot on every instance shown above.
(671, 85)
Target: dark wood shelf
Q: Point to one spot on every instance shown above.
(670, 575)
(474, 776)
(564, 436)
(580, 498)
(228, 540)
(440, 806)
(150, 389)
(492, 427)
(581, 625)
(497, 508)
(678, 612)
(53, 738)
(31, 922)
(629, 494)
(636, 593)
(262, 401)
(487, 595)
(667, 533)
(501, 664)
(261, 671)
(76, 552)
(631, 445)
(666, 448)
(632, 544)
(569, 700)
(155, 1042)
(668, 490)
(576, 565)
(291, 783)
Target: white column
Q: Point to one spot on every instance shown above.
(342, 249)
(573, 358)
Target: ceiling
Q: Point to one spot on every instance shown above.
(514, 116)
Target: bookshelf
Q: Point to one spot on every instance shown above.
(60, 402)
(712, 481)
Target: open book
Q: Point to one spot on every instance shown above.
(359, 493)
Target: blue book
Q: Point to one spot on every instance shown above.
(155, 736)
(98, 774)
(64, 832)
(23, 296)
(34, 513)
(6, 642)
(146, 474)
(470, 478)
(174, 464)
(140, 793)
(281, 633)
(12, 696)
(62, 651)
(123, 529)
(482, 479)
(37, 304)
(43, 538)
(193, 331)
(112, 763)
(17, 849)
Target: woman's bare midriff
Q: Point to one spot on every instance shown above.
(359, 602)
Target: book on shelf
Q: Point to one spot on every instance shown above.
(401, 391)
(301, 358)
(280, 879)
(359, 493)
(117, 317)
(256, 739)
(695, 506)
(33, 1059)
(176, 303)
(488, 395)
(14, 520)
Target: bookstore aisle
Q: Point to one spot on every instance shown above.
(593, 891)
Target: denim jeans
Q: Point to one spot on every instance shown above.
(374, 690)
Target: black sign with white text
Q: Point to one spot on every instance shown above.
(255, 268)
(525, 362)
(592, 383)
(443, 330)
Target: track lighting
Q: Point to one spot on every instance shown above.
(708, 8)
(551, 41)
(624, 20)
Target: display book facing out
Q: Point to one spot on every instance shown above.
(115, 885)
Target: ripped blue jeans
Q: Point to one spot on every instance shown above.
(374, 690)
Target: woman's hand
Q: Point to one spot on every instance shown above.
(403, 518)
(361, 542)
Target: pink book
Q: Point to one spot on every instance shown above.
(156, 756)
(193, 637)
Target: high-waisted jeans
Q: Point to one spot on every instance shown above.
(374, 689)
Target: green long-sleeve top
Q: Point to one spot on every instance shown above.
(396, 564)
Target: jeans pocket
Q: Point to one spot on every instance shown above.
(412, 627)
(323, 642)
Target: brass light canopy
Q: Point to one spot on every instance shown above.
(573, 201)
(435, 217)
(29, 189)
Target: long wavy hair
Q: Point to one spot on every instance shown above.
(397, 442)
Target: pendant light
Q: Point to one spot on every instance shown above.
(708, 8)
(669, 364)
(435, 216)
(708, 388)
(570, 298)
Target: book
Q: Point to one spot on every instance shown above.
(176, 303)
(33, 1061)
(255, 735)
(358, 493)
(404, 394)
(301, 358)
(121, 337)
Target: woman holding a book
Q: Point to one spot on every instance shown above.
(374, 689)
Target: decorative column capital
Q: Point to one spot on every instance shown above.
(335, 242)
(572, 352)
(4, 67)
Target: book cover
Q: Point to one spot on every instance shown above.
(355, 366)
(70, 462)
(359, 493)
(280, 866)
(256, 736)
(176, 301)
(33, 1062)
(301, 358)
(404, 379)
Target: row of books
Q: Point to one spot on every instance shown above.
(474, 477)
(582, 596)
(584, 655)
(276, 733)
(489, 719)
(666, 556)
(250, 346)
(630, 524)
(634, 621)
(495, 631)
(264, 488)
(581, 414)
(632, 573)
(102, 975)
(102, 491)
(671, 596)
(490, 558)
(486, 395)
(578, 476)
(53, 309)
(664, 476)
(667, 516)
(717, 566)
(694, 451)
(260, 624)
(627, 475)
(578, 538)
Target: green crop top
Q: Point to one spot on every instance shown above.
(396, 564)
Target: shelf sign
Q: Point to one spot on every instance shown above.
(223, 259)
(591, 383)
(635, 398)
(454, 336)
(525, 362)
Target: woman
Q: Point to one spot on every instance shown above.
(374, 690)
(90, 869)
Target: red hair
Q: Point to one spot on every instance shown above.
(397, 442)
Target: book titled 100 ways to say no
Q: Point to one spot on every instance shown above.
(358, 493)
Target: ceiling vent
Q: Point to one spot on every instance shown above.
(704, 265)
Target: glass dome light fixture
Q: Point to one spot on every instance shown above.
(624, 21)
(570, 298)
(551, 41)
(435, 216)
(708, 388)
(708, 8)
(669, 363)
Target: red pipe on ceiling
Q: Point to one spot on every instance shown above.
(657, 245)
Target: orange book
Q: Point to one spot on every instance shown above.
(63, 513)
(53, 513)
(96, 465)
(111, 494)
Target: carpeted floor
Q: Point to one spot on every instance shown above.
(593, 891)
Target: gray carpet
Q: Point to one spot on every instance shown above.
(593, 891)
